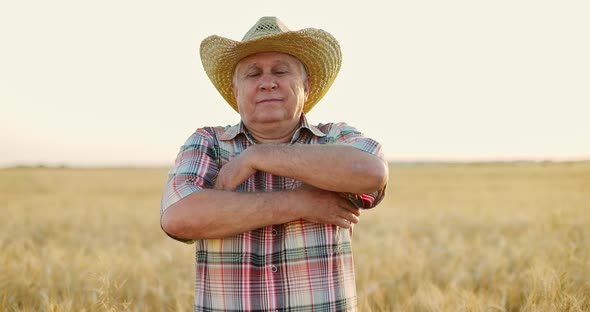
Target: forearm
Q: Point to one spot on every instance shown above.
(338, 168)
(215, 214)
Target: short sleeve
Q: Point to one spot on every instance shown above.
(195, 168)
(342, 133)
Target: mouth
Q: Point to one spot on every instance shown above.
(268, 100)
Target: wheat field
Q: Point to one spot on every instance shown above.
(448, 237)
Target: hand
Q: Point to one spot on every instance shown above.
(234, 172)
(321, 206)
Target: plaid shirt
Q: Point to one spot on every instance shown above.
(297, 266)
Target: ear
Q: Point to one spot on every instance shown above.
(306, 86)
(233, 86)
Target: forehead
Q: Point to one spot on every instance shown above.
(268, 58)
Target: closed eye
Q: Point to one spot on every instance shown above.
(281, 69)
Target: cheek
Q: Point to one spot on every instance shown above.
(241, 95)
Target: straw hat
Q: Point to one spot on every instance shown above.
(315, 48)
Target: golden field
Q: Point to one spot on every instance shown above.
(459, 237)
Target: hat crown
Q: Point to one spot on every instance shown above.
(266, 26)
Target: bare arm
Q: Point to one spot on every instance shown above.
(215, 213)
(325, 169)
(332, 167)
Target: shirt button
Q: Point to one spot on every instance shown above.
(273, 232)
(274, 269)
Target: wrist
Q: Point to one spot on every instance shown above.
(257, 155)
(295, 203)
(250, 157)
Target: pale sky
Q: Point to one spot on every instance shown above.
(121, 82)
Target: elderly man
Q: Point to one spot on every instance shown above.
(271, 201)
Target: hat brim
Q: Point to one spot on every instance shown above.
(317, 49)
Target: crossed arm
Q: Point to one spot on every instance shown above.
(326, 170)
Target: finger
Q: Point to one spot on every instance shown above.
(351, 217)
(355, 219)
(352, 208)
(217, 185)
(343, 223)
(345, 220)
(223, 186)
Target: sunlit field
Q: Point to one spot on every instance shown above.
(461, 237)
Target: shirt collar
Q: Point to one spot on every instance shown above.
(233, 131)
(304, 124)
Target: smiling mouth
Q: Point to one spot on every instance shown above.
(268, 100)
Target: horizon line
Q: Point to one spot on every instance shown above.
(390, 160)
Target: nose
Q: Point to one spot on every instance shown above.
(268, 82)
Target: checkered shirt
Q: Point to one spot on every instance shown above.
(297, 266)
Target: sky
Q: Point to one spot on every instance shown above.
(120, 83)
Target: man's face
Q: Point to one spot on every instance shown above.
(270, 87)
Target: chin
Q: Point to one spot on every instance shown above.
(270, 120)
(271, 117)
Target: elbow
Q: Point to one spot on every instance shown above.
(383, 176)
(170, 224)
(377, 176)
(175, 224)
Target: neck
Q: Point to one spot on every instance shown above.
(273, 133)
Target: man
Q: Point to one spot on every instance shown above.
(266, 200)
